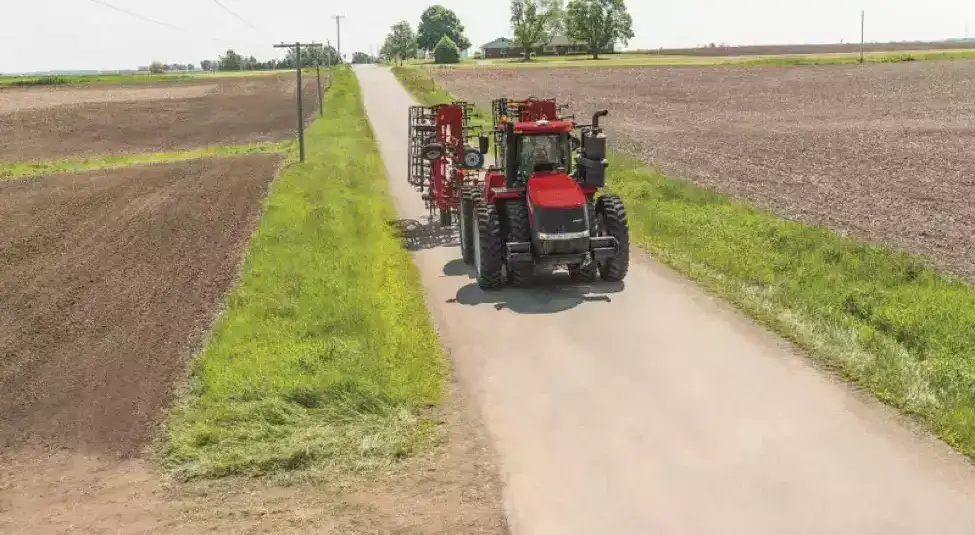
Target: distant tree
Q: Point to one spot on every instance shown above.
(206, 65)
(535, 22)
(401, 43)
(310, 57)
(190, 67)
(156, 67)
(598, 23)
(446, 52)
(232, 61)
(437, 22)
(361, 58)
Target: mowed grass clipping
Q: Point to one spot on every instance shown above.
(112, 161)
(325, 358)
(882, 318)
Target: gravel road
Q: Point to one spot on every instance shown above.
(656, 409)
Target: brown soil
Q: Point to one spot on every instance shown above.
(455, 491)
(52, 124)
(829, 48)
(885, 152)
(108, 281)
(12, 100)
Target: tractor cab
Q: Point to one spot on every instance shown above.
(537, 147)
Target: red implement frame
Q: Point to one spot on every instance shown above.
(442, 178)
(450, 132)
(531, 110)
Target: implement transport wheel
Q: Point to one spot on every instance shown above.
(466, 221)
(611, 217)
(589, 272)
(519, 230)
(489, 248)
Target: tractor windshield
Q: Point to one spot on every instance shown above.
(543, 152)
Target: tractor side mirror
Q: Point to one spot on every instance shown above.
(484, 144)
(574, 143)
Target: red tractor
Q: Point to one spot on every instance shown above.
(536, 207)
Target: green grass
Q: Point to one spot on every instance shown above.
(325, 358)
(645, 59)
(883, 319)
(29, 169)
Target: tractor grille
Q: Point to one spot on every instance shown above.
(561, 223)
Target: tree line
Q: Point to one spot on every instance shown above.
(232, 61)
(596, 23)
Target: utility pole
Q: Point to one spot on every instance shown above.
(301, 116)
(338, 35)
(862, 19)
(328, 60)
(321, 96)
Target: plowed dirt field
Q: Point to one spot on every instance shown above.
(108, 281)
(885, 151)
(51, 123)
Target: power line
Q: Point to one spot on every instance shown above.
(153, 21)
(138, 16)
(235, 15)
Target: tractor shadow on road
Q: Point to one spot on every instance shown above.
(426, 234)
(550, 293)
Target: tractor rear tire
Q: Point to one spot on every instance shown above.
(612, 221)
(590, 272)
(519, 230)
(466, 221)
(489, 248)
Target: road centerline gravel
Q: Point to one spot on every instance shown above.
(655, 409)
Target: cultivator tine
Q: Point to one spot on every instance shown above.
(421, 130)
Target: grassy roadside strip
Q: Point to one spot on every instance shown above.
(74, 165)
(883, 319)
(325, 357)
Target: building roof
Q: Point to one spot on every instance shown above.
(562, 40)
(504, 42)
(500, 42)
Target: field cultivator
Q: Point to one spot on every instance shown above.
(440, 159)
(537, 206)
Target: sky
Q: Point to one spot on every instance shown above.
(41, 35)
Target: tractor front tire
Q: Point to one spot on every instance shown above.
(519, 230)
(612, 221)
(489, 248)
(467, 221)
(590, 272)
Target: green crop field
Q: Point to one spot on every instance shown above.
(126, 79)
(114, 161)
(881, 318)
(325, 358)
